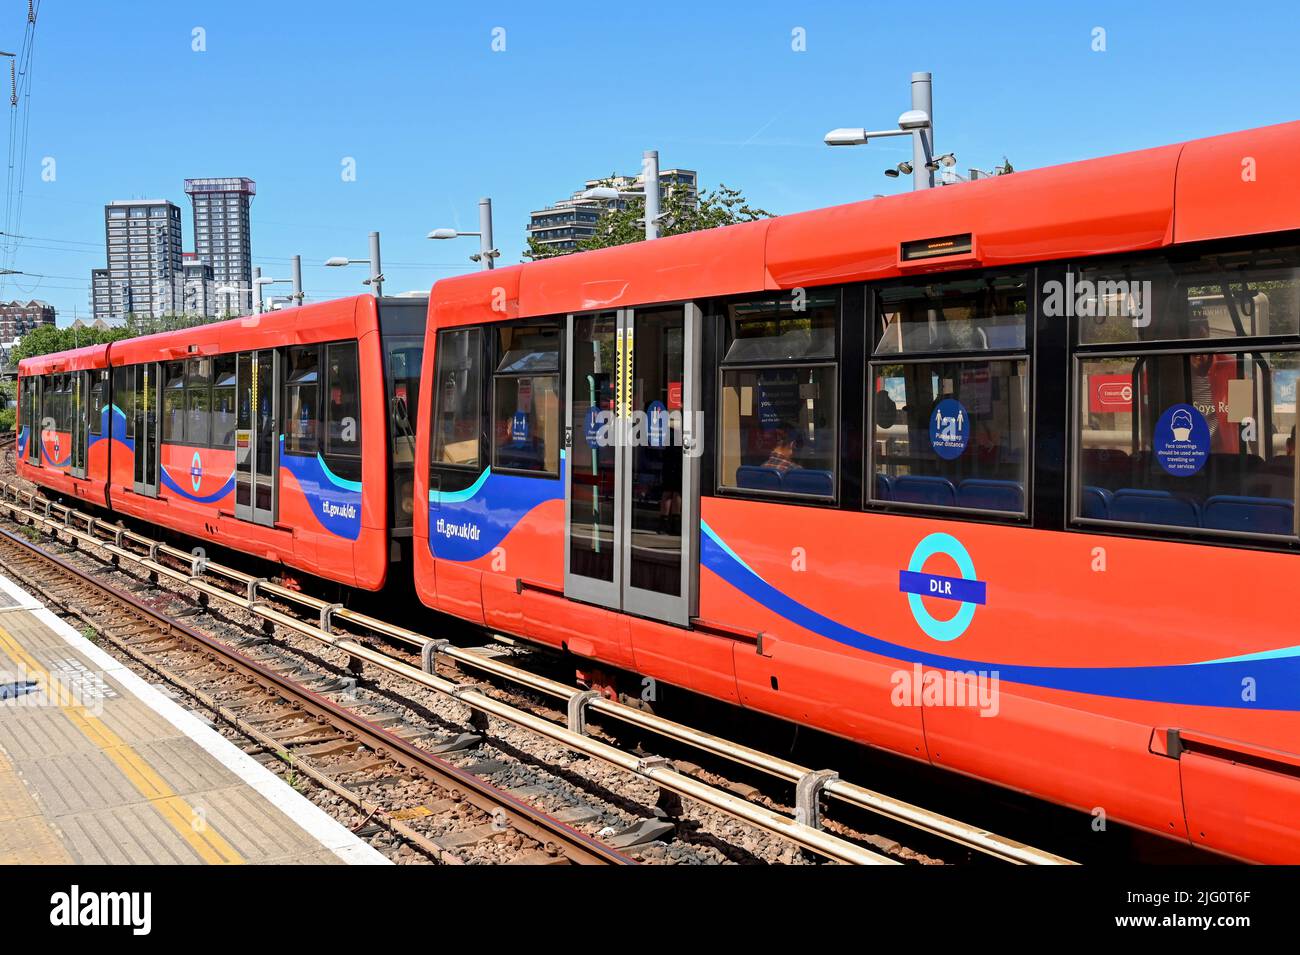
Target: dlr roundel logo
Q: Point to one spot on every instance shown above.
(967, 591)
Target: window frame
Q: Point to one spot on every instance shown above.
(1029, 355)
(496, 356)
(435, 400)
(95, 413)
(869, 499)
(327, 452)
(1173, 257)
(725, 337)
(164, 392)
(1235, 347)
(233, 388)
(287, 385)
(193, 385)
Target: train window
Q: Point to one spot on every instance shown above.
(198, 401)
(779, 382)
(528, 350)
(457, 421)
(404, 357)
(302, 397)
(124, 396)
(223, 402)
(1196, 440)
(173, 398)
(63, 403)
(49, 411)
(25, 402)
(982, 313)
(778, 430)
(526, 399)
(343, 411)
(1224, 295)
(950, 433)
(798, 326)
(98, 385)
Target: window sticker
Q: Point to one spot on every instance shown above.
(949, 429)
(519, 428)
(1181, 442)
(657, 418)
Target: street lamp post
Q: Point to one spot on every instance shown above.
(923, 141)
(650, 173)
(917, 122)
(296, 281)
(650, 170)
(486, 253)
(376, 280)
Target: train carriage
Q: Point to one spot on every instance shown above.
(58, 436)
(999, 476)
(283, 435)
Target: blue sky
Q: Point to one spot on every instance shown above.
(434, 118)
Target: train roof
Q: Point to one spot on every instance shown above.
(75, 359)
(1231, 185)
(319, 322)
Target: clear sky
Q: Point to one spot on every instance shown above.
(434, 117)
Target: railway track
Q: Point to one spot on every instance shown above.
(307, 727)
(213, 582)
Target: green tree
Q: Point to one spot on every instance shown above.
(681, 213)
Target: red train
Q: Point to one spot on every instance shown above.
(997, 476)
(284, 435)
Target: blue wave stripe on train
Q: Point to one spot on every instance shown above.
(468, 524)
(45, 456)
(112, 424)
(175, 487)
(22, 440)
(334, 501)
(1205, 683)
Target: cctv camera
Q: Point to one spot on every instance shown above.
(905, 168)
(891, 173)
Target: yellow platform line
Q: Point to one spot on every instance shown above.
(174, 809)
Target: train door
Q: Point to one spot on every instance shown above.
(632, 480)
(80, 422)
(257, 442)
(147, 421)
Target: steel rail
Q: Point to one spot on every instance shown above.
(945, 827)
(540, 826)
(656, 770)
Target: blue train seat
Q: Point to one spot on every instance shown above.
(1154, 507)
(1256, 515)
(1096, 503)
(991, 495)
(917, 489)
(808, 481)
(754, 478)
(884, 487)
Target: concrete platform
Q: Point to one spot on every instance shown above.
(98, 767)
